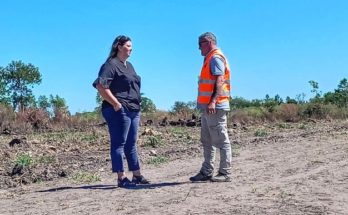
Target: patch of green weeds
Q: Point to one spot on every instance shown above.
(284, 126)
(302, 126)
(179, 131)
(158, 160)
(24, 160)
(260, 133)
(91, 138)
(154, 141)
(85, 177)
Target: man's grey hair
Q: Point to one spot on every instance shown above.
(210, 36)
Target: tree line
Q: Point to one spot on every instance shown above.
(17, 80)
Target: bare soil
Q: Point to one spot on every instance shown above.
(281, 168)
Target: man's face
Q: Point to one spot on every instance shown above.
(204, 45)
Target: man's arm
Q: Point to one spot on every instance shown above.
(218, 89)
(217, 68)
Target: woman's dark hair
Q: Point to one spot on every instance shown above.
(119, 41)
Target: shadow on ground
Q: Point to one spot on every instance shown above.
(110, 187)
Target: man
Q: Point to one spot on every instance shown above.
(213, 101)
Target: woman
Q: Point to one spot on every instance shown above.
(119, 86)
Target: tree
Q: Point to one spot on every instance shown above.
(289, 100)
(315, 90)
(340, 96)
(60, 109)
(147, 105)
(343, 86)
(29, 102)
(342, 92)
(18, 79)
(300, 98)
(99, 101)
(4, 97)
(181, 107)
(239, 103)
(58, 103)
(278, 99)
(270, 103)
(43, 103)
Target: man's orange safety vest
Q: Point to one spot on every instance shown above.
(207, 81)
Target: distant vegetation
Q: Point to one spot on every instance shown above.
(20, 111)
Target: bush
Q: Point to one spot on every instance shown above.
(147, 105)
(250, 115)
(239, 103)
(239, 117)
(288, 112)
(37, 118)
(184, 109)
(314, 110)
(257, 113)
(6, 116)
(336, 112)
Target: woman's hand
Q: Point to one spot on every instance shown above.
(117, 107)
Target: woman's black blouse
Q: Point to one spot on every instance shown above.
(122, 81)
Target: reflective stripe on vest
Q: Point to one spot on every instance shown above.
(206, 83)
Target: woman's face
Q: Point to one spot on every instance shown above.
(126, 49)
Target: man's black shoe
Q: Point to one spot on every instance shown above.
(200, 177)
(221, 178)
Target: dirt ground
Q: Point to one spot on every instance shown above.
(277, 169)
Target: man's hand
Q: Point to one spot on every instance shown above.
(211, 108)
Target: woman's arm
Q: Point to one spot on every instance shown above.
(109, 97)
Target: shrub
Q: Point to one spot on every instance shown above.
(239, 117)
(37, 118)
(336, 112)
(184, 109)
(288, 112)
(239, 102)
(249, 115)
(6, 116)
(314, 110)
(256, 112)
(147, 105)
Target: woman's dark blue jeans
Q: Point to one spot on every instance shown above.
(123, 129)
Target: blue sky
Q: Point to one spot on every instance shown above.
(273, 46)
